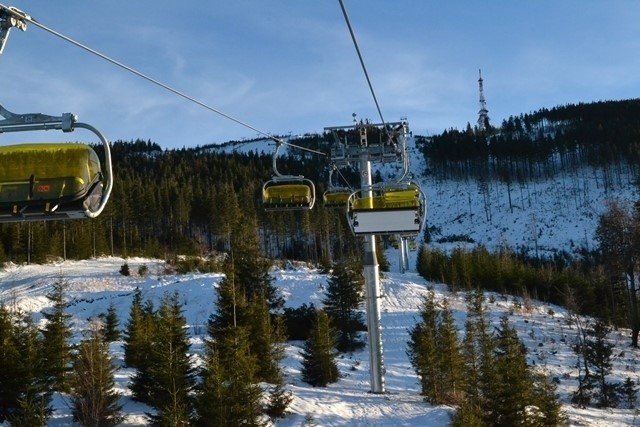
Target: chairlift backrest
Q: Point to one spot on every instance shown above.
(395, 210)
(48, 181)
(287, 192)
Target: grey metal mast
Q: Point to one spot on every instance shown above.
(368, 219)
(371, 280)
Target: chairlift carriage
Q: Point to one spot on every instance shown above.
(334, 196)
(287, 192)
(396, 209)
(392, 208)
(49, 181)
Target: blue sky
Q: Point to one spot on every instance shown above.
(290, 66)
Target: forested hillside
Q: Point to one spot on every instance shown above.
(188, 201)
(542, 144)
(554, 239)
(185, 202)
(205, 201)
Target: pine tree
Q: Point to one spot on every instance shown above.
(10, 382)
(511, 394)
(244, 394)
(598, 353)
(618, 232)
(259, 323)
(450, 360)
(249, 265)
(141, 385)
(31, 412)
(473, 364)
(236, 309)
(319, 367)
(515, 395)
(57, 333)
(478, 348)
(124, 269)
(34, 399)
(228, 394)
(111, 324)
(422, 350)
(298, 321)
(343, 301)
(381, 256)
(231, 306)
(548, 411)
(211, 392)
(468, 414)
(630, 393)
(279, 397)
(279, 401)
(171, 371)
(94, 401)
(228, 215)
(134, 333)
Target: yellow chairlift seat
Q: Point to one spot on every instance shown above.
(49, 177)
(287, 196)
(287, 192)
(336, 198)
(400, 210)
(389, 199)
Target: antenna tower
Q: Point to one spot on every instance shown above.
(483, 114)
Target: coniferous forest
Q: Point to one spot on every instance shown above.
(203, 202)
(192, 201)
(187, 201)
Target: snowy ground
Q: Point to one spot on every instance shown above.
(93, 284)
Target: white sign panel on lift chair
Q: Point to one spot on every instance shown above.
(386, 222)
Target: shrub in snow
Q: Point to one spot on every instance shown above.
(124, 270)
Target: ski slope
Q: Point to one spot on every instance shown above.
(94, 284)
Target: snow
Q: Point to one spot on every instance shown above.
(562, 215)
(94, 284)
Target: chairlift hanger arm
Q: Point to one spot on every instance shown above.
(10, 17)
(35, 121)
(276, 172)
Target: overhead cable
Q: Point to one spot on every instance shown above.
(364, 68)
(28, 18)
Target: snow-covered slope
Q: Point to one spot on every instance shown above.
(556, 214)
(550, 215)
(94, 284)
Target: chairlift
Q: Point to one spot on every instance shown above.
(335, 197)
(338, 151)
(50, 181)
(396, 209)
(287, 192)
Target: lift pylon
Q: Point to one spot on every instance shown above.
(393, 208)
